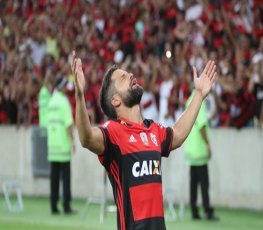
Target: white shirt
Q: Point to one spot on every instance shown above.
(38, 51)
(148, 106)
(165, 90)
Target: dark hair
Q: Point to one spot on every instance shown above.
(106, 93)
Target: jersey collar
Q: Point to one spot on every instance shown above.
(126, 122)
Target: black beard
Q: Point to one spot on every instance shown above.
(134, 97)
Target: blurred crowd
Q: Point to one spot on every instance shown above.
(158, 41)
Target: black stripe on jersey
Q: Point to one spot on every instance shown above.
(119, 196)
(104, 139)
(142, 168)
(167, 144)
(156, 223)
(111, 152)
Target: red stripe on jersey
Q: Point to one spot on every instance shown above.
(115, 172)
(147, 201)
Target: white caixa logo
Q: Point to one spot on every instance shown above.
(146, 168)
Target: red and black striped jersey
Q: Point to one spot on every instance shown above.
(132, 159)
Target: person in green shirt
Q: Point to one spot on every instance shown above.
(60, 145)
(44, 97)
(197, 154)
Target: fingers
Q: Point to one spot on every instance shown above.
(79, 63)
(211, 68)
(207, 66)
(213, 78)
(195, 72)
(73, 59)
(211, 73)
(73, 54)
(74, 62)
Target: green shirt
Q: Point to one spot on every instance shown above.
(52, 47)
(195, 147)
(43, 100)
(59, 119)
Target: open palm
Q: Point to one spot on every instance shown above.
(79, 79)
(204, 83)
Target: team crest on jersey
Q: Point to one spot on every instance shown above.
(154, 139)
(144, 138)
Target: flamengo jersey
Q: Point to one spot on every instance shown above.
(132, 159)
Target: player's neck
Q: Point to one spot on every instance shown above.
(132, 114)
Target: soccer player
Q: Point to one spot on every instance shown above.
(130, 148)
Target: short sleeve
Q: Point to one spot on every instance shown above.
(166, 137)
(106, 156)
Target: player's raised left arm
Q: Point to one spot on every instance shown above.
(90, 137)
(203, 85)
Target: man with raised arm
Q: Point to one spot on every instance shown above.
(130, 148)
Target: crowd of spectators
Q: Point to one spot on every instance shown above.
(158, 41)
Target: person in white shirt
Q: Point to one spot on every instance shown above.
(165, 91)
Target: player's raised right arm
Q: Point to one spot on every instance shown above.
(90, 137)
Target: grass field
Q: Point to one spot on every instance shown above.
(36, 216)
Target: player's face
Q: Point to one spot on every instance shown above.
(127, 87)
